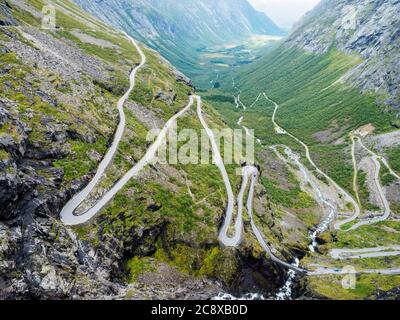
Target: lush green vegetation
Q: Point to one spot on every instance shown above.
(310, 102)
(303, 84)
(213, 262)
(366, 286)
(80, 153)
(394, 158)
(3, 155)
(10, 58)
(386, 177)
(364, 192)
(368, 236)
(291, 198)
(138, 266)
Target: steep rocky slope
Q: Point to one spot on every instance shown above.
(6, 19)
(179, 29)
(368, 28)
(158, 237)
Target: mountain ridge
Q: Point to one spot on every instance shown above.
(368, 28)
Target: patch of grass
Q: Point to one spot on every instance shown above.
(219, 98)
(80, 154)
(9, 58)
(364, 192)
(138, 266)
(395, 208)
(213, 262)
(348, 225)
(366, 286)
(10, 130)
(394, 159)
(25, 17)
(385, 176)
(4, 155)
(309, 218)
(292, 198)
(368, 236)
(377, 263)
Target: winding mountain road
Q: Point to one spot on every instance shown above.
(235, 240)
(69, 217)
(348, 197)
(248, 172)
(355, 168)
(350, 253)
(238, 102)
(260, 238)
(382, 196)
(247, 130)
(307, 179)
(341, 254)
(376, 159)
(249, 179)
(67, 214)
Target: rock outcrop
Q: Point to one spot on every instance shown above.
(368, 28)
(6, 18)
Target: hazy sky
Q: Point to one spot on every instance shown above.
(284, 12)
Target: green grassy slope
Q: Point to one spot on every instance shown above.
(312, 100)
(320, 110)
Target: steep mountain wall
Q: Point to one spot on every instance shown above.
(368, 28)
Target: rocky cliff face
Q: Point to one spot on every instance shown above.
(368, 28)
(6, 18)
